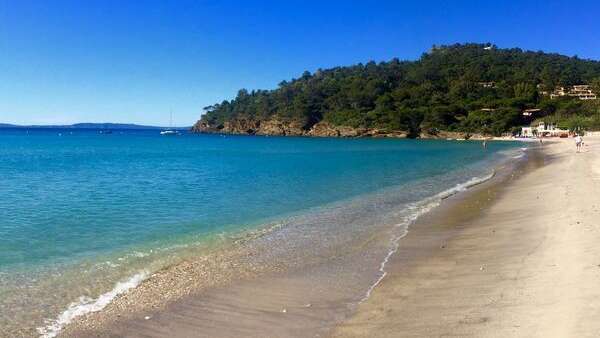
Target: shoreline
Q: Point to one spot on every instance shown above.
(521, 264)
(431, 234)
(358, 133)
(134, 309)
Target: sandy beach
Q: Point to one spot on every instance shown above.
(516, 256)
(528, 266)
(218, 169)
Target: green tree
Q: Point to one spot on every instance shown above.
(460, 87)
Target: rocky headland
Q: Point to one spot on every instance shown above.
(277, 127)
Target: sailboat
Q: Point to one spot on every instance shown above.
(170, 131)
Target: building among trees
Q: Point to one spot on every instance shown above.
(582, 92)
(543, 129)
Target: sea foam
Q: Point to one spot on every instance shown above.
(87, 305)
(416, 210)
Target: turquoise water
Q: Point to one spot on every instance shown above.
(72, 198)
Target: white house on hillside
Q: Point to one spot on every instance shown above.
(543, 130)
(582, 92)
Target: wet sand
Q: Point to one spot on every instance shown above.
(262, 288)
(527, 266)
(429, 289)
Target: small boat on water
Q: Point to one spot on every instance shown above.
(170, 131)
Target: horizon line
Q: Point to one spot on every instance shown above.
(89, 123)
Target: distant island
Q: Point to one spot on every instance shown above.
(111, 126)
(459, 90)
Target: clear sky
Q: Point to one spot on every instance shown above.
(133, 61)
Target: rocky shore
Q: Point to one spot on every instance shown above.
(276, 127)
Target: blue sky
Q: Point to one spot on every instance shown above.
(133, 61)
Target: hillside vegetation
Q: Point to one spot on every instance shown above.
(468, 88)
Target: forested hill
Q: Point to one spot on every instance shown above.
(467, 88)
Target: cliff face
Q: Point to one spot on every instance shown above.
(454, 135)
(276, 127)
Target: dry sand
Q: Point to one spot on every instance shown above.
(528, 266)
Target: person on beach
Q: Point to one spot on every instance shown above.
(578, 142)
(484, 144)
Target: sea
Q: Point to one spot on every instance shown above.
(86, 215)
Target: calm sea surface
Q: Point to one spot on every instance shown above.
(81, 211)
